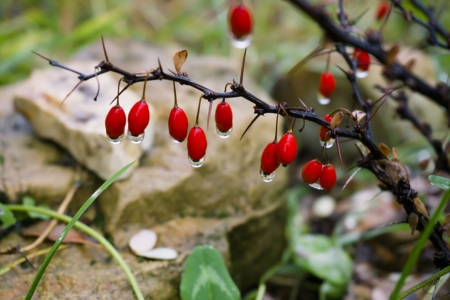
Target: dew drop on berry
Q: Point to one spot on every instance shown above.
(240, 43)
(136, 139)
(361, 74)
(316, 185)
(322, 100)
(224, 135)
(329, 143)
(266, 177)
(198, 163)
(116, 140)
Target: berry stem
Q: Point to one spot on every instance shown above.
(145, 86)
(118, 92)
(242, 68)
(175, 102)
(328, 61)
(225, 90)
(198, 109)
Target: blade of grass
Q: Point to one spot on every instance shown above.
(86, 229)
(419, 246)
(425, 283)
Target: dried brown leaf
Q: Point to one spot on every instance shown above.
(384, 149)
(72, 237)
(413, 220)
(336, 120)
(179, 59)
(392, 54)
(358, 115)
(396, 158)
(420, 207)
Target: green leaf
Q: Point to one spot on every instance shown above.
(319, 255)
(28, 201)
(6, 217)
(442, 182)
(206, 277)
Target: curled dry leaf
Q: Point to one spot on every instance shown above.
(143, 241)
(394, 170)
(358, 115)
(72, 237)
(396, 158)
(392, 54)
(159, 253)
(421, 207)
(384, 149)
(446, 225)
(179, 58)
(413, 220)
(337, 119)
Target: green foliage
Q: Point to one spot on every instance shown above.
(6, 217)
(28, 201)
(206, 277)
(442, 182)
(69, 226)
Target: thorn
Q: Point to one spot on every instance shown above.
(250, 125)
(104, 50)
(351, 177)
(74, 88)
(339, 152)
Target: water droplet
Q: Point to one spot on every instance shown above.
(322, 99)
(224, 135)
(329, 144)
(174, 140)
(198, 163)
(117, 140)
(241, 43)
(316, 185)
(136, 139)
(266, 177)
(361, 74)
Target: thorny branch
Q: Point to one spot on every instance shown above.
(392, 175)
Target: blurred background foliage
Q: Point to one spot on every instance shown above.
(283, 35)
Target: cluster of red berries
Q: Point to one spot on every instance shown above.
(138, 119)
(276, 153)
(319, 176)
(240, 24)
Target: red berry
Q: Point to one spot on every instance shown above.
(323, 130)
(115, 122)
(381, 11)
(138, 118)
(311, 171)
(287, 149)
(327, 84)
(240, 21)
(362, 58)
(178, 124)
(224, 117)
(328, 177)
(196, 143)
(269, 158)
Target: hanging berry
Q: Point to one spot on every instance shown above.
(138, 119)
(178, 124)
(311, 171)
(323, 130)
(115, 124)
(382, 10)
(240, 25)
(224, 119)
(328, 177)
(196, 145)
(327, 84)
(362, 62)
(287, 148)
(269, 162)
